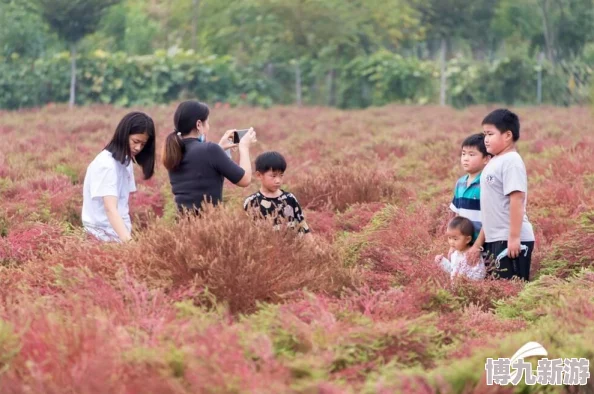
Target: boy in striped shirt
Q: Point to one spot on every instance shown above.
(467, 194)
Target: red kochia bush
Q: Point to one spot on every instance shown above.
(400, 246)
(145, 205)
(323, 223)
(26, 241)
(47, 195)
(121, 338)
(484, 293)
(239, 260)
(572, 252)
(358, 216)
(339, 186)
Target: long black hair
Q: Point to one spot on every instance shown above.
(186, 116)
(119, 146)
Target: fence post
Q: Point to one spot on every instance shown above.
(442, 61)
(330, 82)
(539, 79)
(298, 83)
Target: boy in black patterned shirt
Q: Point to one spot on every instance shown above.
(271, 201)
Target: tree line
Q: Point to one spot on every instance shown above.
(309, 46)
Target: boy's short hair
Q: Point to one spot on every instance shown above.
(476, 141)
(463, 224)
(270, 161)
(504, 120)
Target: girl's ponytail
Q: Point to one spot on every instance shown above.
(173, 151)
(186, 116)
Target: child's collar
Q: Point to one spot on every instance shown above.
(265, 196)
(476, 179)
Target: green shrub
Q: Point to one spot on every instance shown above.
(371, 80)
(128, 80)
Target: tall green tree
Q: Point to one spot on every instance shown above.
(127, 27)
(560, 28)
(573, 26)
(72, 20)
(477, 31)
(324, 34)
(22, 32)
(445, 20)
(280, 30)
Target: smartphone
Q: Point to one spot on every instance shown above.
(238, 135)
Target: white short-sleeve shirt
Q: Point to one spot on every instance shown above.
(106, 177)
(501, 176)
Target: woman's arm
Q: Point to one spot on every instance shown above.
(246, 164)
(240, 175)
(244, 157)
(116, 221)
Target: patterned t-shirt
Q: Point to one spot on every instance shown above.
(284, 206)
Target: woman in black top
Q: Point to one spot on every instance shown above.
(197, 168)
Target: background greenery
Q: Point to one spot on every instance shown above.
(348, 53)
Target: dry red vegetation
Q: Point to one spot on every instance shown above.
(222, 304)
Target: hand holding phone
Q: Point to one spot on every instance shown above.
(227, 141)
(238, 135)
(248, 139)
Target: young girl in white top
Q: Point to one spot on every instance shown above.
(110, 178)
(460, 232)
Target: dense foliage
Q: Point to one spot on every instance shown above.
(350, 54)
(221, 305)
(366, 81)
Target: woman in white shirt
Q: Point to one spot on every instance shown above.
(110, 178)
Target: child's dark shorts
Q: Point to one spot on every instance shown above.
(507, 268)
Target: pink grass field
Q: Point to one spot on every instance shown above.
(222, 305)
